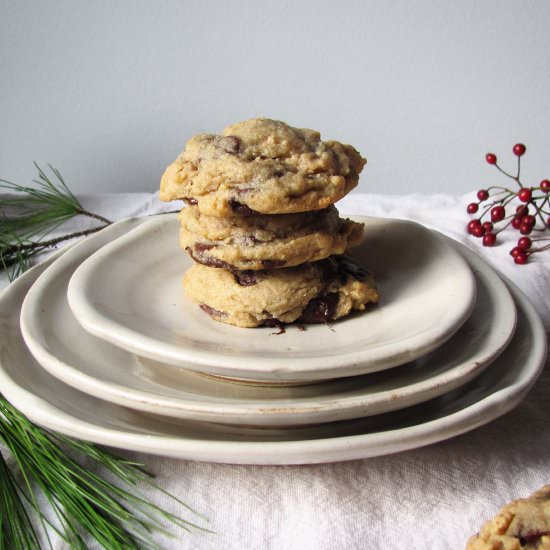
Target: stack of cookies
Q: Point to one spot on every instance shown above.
(261, 226)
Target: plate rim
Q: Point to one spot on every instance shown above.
(268, 413)
(243, 365)
(331, 449)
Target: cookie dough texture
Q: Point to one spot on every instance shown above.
(523, 523)
(312, 292)
(266, 241)
(261, 166)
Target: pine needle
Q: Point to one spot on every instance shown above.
(16, 530)
(37, 208)
(84, 503)
(29, 213)
(16, 252)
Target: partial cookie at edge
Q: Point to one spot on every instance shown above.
(521, 524)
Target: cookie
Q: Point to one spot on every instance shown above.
(261, 166)
(309, 293)
(266, 241)
(523, 523)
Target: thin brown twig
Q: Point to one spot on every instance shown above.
(515, 178)
(33, 245)
(83, 212)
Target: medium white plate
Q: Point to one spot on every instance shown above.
(52, 404)
(96, 367)
(129, 293)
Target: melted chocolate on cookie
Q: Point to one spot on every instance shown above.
(320, 309)
(241, 209)
(212, 312)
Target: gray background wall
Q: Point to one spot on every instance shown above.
(109, 91)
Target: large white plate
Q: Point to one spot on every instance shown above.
(50, 403)
(129, 293)
(96, 367)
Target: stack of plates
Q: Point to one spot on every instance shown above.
(101, 344)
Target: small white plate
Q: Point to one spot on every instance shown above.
(96, 367)
(50, 403)
(129, 293)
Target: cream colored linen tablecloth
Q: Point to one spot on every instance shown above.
(429, 498)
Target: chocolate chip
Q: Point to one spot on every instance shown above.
(191, 201)
(246, 277)
(329, 269)
(212, 312)
(189, 251)
(320, 310)
(204, 259)
(272, 322)
(272, 264)
(201, 247)
(241, 209)
(230, 144)
(244, 190)
(532, 536)
(348, 268)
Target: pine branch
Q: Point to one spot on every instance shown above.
(11, 252)
(29, 214)
(83, 503)
(83, 212)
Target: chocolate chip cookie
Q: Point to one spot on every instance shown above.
(523, 523)
(266, 241)
(261, 166)
(310, 293)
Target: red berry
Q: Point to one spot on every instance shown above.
(489, 239)
(483, 194)
(519, 149)
(487, 227)
(491, 158)
(524, 195)
(520, 258)
(522, 210)
(472, 208)
(524, 243)
(477, 231)
(497, 213)
(516, 222)
(525, 229)
(528, 220)
(545, 186)
(472, 225)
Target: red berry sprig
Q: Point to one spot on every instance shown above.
(526, 209)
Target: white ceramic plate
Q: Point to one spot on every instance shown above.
(129, 293)
(52, 404)
(96, 367)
